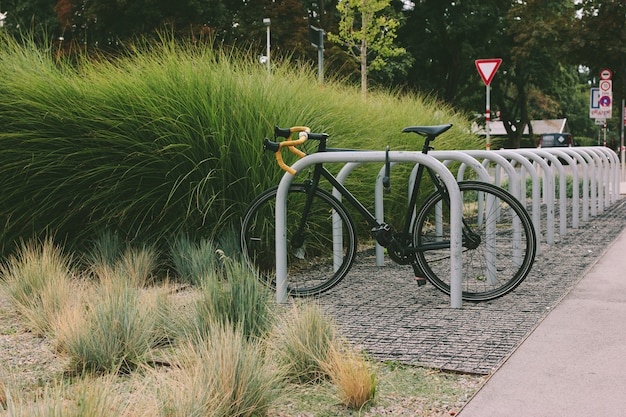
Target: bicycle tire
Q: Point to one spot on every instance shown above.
(311, 268)
(507, 237)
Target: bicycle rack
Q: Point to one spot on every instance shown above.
(600, 181)
(362, 157)
(610, 166)
(563, 186)
(548, 187)
(444, 156)
(598, 168)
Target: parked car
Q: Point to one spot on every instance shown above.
(552, 140)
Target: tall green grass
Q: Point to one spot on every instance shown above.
(166, 140)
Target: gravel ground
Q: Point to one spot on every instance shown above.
(382, 308)
(29, 360)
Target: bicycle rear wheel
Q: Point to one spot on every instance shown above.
(499, 241)
(318, 258)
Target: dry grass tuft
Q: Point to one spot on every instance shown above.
(114, 330)
(39, 283)
(226, 376)
(85, 398)
(352, 375)
(300, 342)
(3, 394)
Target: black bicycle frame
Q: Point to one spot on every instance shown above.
(320, 171)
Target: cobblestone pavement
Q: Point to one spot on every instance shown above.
(384, 311)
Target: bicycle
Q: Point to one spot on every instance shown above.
(498, 238)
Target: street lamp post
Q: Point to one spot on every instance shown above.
(267, 22)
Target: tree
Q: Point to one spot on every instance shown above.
(23, 15)
(289, 26)
(445, 37)
(367, 34)
(599, 41)
(537, 31)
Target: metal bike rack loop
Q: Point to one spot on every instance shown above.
(528, 167)
(562, 187)
(571, 162)
(361, 157)
(443, 156)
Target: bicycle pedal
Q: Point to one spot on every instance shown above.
(420, 281)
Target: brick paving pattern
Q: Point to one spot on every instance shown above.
(385, 312)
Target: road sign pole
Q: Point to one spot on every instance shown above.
(487, 69)
(488, 119)
(622, 151)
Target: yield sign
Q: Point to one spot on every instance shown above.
(487, 68)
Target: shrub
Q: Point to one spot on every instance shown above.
(193, 261)
(38, 281)
(138, 264)
(352, 376)
(233, 296)
(106, 249)
(108, 257)
(85, 398)
(301, 341)
(226, 375)
(114, 330)
(166, 140)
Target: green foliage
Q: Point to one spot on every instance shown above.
(231, 294)
(166, 141)
(105, 249)
(193, 262)
(372, 40)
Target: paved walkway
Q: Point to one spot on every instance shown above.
(574, 362)
(393, 319)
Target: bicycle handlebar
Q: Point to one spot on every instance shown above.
(304, 133)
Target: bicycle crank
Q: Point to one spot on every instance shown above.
(399, 250)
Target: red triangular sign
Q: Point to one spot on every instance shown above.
(487, 68)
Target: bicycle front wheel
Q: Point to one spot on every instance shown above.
(321, 244)
(499, 241)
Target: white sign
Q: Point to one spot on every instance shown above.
(600, 104)
(606, 74)
(487, 68)
(606, 85)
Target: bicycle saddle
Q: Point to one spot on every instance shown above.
(431, 131)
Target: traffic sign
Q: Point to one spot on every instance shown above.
(600, 104)
(606, 74)
(606, 85)
(316, 37)
(605, 100)
(487, 68)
